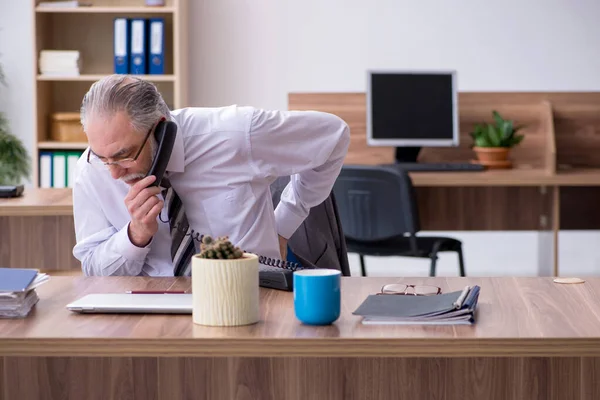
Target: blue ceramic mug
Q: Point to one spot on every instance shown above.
(317, 296)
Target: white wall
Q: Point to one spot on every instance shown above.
(256, 51)
(239, 52)
(16, 57)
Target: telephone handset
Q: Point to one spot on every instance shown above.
(164, 133)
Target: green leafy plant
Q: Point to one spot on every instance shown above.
(219, 248)
(15, 163)
(502, 133)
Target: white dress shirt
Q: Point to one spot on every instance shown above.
(222, 164)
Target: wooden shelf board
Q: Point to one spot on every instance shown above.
(63, 145)
(578, 177)
(95, 77)
(518, 176)
(113, 10)
(509, 177)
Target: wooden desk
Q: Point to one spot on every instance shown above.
(37, 230)
(553, 187)
(534, 339)
(38, 202)
(38, 227)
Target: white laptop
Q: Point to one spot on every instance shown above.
(102, 303)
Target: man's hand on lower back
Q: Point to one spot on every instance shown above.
(283, 247)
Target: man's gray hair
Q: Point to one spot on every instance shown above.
(138, 98)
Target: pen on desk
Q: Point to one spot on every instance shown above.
(155, 292)
(461, 298)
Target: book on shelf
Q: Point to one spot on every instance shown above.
(17, 291)
(452, 308)
(64, 4)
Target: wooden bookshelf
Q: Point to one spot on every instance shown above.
(94, 77)
(55, 145)
(107, 9)
(89, 30)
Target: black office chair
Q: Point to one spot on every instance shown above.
(379, 214)
(320, 236)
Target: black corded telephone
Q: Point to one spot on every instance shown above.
(11, 191)
(164, 133)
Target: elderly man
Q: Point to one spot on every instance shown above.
(219, 172)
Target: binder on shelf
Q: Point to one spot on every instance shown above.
(59, 169)
(72, 158)
(157, 46)
(121, 45)
(45, 169)
(139, 46)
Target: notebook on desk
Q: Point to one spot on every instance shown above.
(17, 291)
(16, 279)
(444, 309)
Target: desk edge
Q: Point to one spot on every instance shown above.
(295, 347)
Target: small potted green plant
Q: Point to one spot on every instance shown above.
(492, 141)
(225, 286)
(15, 163)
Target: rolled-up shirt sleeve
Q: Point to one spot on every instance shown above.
(101, 248)
(308, 146)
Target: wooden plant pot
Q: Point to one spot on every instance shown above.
(225, 292)
(493, 157)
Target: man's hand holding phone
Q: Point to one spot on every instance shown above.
(144, 206)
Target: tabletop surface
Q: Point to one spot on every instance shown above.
(515, 316)
(39, 202)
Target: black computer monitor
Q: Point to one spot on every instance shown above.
(412, 109)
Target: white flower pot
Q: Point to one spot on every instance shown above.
(225, 292)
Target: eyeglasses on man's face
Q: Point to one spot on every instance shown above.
(128, 162)
(410, 290)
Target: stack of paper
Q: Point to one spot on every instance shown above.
(449, 308)
(17, 291)
(63, 4)
(59, 62)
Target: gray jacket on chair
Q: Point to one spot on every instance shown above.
(319, 241)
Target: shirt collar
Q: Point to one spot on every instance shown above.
(177, 160)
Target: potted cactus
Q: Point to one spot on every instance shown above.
(492, 142)
(225, 288)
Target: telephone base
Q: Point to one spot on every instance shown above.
(275, 278)
(11, 191)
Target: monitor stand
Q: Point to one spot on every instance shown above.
(407, 154)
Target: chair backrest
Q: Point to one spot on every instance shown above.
(319, 241)
(376, 202)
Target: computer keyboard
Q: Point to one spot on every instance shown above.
(440, 167)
